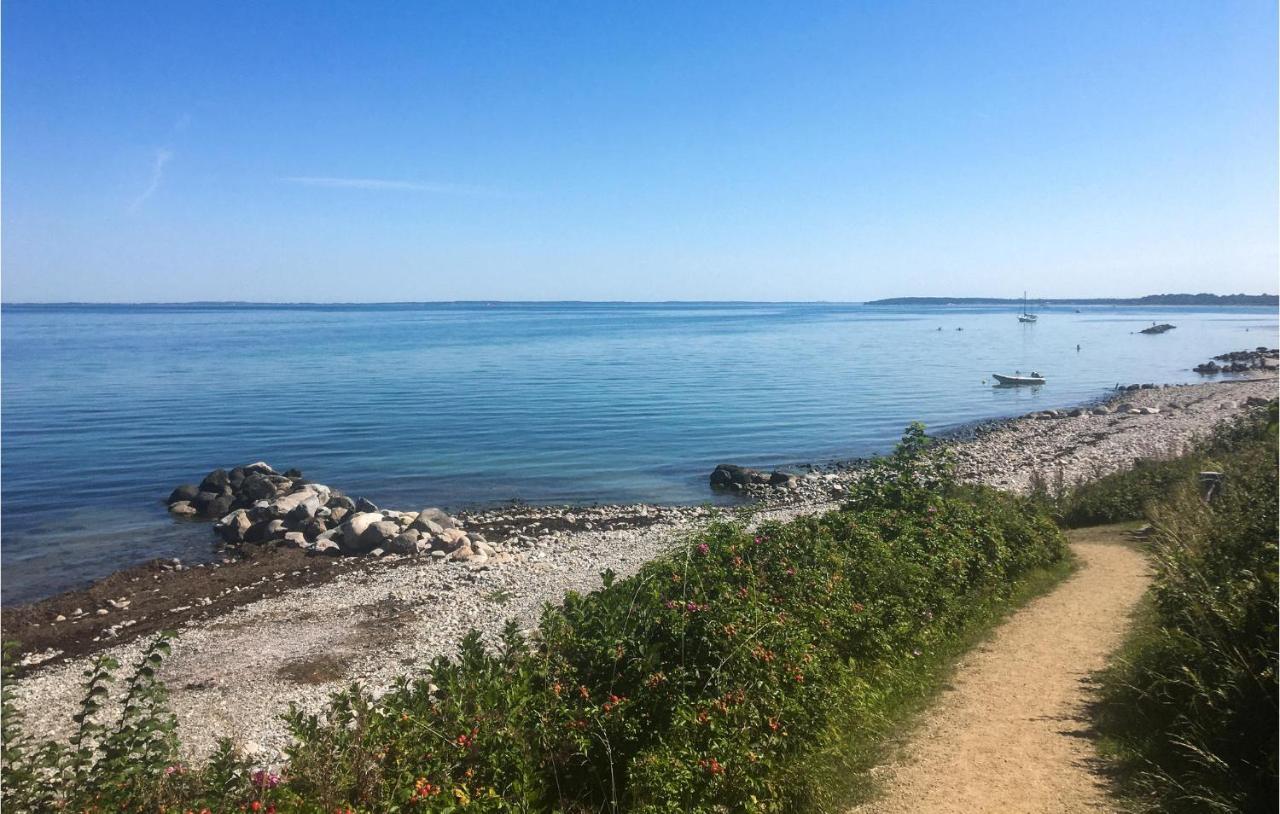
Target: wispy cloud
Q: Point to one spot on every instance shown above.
(390, 185)
(162, 158)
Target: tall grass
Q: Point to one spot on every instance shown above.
(1189, 710)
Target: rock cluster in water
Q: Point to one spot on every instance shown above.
(740, 478)
(256, 504)
(1238, 361)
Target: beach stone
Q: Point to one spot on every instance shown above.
(365, 505)
(1076, 413)
(215, 481)
(326, 548)
(183, 509)
(184, 493)
(1101, 411)
(314, 528)
(377, 535)
(436, 516)
(463, 553)
(405, 542)
(336, 515)
(341, 502)
(426, 526)
(219, 506)
(259, 468)
(296, 538)
(257, 486)
(236, 477)
(275, 529)
(452, 538)
(233, 527)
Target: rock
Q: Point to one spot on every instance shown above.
(1076, 413)
(258, 486)
(377, 534)
(236, 477)
(327, 548)
(377, 552)
(1101, 411)
(481, 547)
(463, 553)
(296, 538)
(728, 475)
(275, 529)
(452, 538)
(215, 481)
(259, 468)
(341, 502)
(336, 515)
(427, 526)
(314, 528)
(185, 493)
(233, 527)
(365, 505)
(406, 542)
(1256, 401)
(183, 509)
(433, 515)
(357, 523)
(219, 506)
(293, 474)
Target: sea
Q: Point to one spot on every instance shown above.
(104, 409)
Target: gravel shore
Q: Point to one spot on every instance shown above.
(236, 667)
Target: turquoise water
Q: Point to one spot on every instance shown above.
(106, 408)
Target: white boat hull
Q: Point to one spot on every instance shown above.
(1002, 379)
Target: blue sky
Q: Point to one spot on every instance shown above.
(335, 151)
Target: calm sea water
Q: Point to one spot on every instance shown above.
(107, 408)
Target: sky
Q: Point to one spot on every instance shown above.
(410, 151)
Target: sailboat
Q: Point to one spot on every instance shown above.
(1024, 316)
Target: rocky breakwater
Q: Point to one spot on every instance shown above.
(256, 505)
(778, 487)
(1240, 361)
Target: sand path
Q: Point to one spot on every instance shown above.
(1011, 733)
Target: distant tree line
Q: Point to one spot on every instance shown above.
(1150, 299)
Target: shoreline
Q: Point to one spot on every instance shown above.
(259, 633)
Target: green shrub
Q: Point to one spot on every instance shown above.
(705, 682)
(1191, 709)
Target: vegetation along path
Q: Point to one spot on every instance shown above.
(1011, 733)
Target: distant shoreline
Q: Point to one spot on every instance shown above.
(1150, 299)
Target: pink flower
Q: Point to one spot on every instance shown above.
(703, 549)
(265, 779)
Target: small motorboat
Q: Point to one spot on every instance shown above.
(1034, 378)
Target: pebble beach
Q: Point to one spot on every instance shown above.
(293, 631)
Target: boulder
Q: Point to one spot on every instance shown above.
(452, 538)
(427, 526)
(219, 506)
(236, 477)
(215, 481)
(260, 468)
(406, 542)
(296, 539)
(326, 548)
(727, 475)
(232, 528)
(433, 515)
(365, 505)
(314, 528)
(379, 534)
(336, 515)
(184, 493)
(183, 508)
(258, 486)
(1101, 411)
(341, 502)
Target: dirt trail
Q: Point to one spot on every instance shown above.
(1010, 734)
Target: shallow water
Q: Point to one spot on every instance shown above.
(107, 408)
